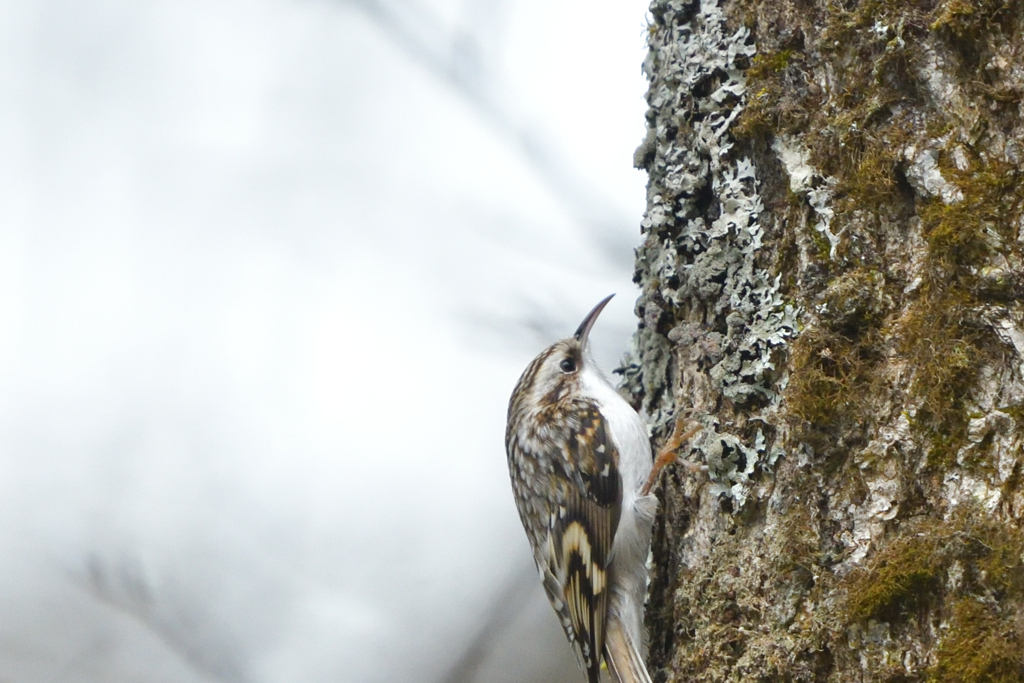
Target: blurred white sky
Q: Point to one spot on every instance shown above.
(268, 273)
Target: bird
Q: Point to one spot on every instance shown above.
(582, 469)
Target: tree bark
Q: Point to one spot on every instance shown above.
(831, 275)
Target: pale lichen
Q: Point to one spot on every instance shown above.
(925, 176)
(806, 181)
(700, 263)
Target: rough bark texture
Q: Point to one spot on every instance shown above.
(831, 282)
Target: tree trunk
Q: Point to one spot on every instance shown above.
(831, 285)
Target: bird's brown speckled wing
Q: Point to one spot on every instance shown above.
(581, 531)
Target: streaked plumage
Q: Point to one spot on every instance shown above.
(579, 457)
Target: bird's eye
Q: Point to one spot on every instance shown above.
(568, 365)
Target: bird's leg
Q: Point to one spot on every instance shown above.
(669, 453)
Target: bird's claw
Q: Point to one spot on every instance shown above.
(669, 453)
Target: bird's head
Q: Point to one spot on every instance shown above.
(557, 370)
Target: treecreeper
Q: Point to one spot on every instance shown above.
(582, 469)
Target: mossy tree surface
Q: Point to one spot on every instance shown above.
(832, 280)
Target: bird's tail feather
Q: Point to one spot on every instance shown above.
(623, 656)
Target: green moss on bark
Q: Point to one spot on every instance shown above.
(982, 646)
(966, 574)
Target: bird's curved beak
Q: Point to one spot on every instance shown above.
(584, 329)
